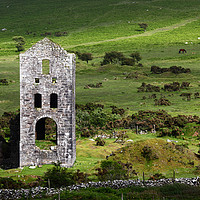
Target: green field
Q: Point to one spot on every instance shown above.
(98, 27)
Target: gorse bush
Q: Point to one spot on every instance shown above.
(112, 57)
(91, 117)
(58, 176)
(110, 170)
(136, 56)
(115, 57)
(173, 69)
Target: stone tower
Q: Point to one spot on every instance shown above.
(47, 90)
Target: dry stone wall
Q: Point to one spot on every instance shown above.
(59, 81)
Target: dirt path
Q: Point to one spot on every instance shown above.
(148, 33)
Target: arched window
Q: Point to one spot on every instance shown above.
(45, 66)
(37, 100)
(45, 129)
(53, 100)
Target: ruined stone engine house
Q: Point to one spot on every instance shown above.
(47, 90)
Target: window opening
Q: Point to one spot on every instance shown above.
(45, 66)
(37, 100)
(53, 100)
(37, 80)
(54, 80)
(46, 133)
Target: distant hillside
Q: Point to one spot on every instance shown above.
(98, 27)
(87, 20)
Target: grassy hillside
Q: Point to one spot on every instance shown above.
(102, 26)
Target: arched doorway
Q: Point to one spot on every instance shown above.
(46, 133)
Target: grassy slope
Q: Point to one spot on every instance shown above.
(93, 21)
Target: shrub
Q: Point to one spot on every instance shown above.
(196, 95)
(186, 95)
(59, 33)
(98, 85)
(128, 61)
(20, 42)
(178, 70)
(80, 177)
(185, 85)
(85, 56)
(9, 183)
(45, 34)
(58, 176)
(148, 88)
(3, 82)
(143, 25)
(136, 56)
(117, 111)
(100, 142)
(173, 69)
(162, 102)
(175, 86)
(110, 170)
(112, 57)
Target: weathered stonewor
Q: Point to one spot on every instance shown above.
(47, 95)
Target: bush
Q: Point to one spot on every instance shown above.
(9, 183)
(143, 25)
(59, 33)
(3, 82)
(117, 111)
(173, 69)
(162, 102)
(128, 61)
(80, 177)
(58, 176)
(20, 42)
(148, 88)
(136, 56)
(175, 86)
(112, 57)
(100, 142)
(98, 85)
(110, 170)
(85, 56)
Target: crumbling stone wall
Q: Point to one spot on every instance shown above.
(61, 81)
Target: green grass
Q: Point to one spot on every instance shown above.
(97, 27)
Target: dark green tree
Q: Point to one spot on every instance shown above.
(20, 42)
(85, 57)
(112, 57)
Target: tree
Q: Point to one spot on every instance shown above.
(143, 25)
(85, 56)
(136, 56)
(112, 57)
(20, 42)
